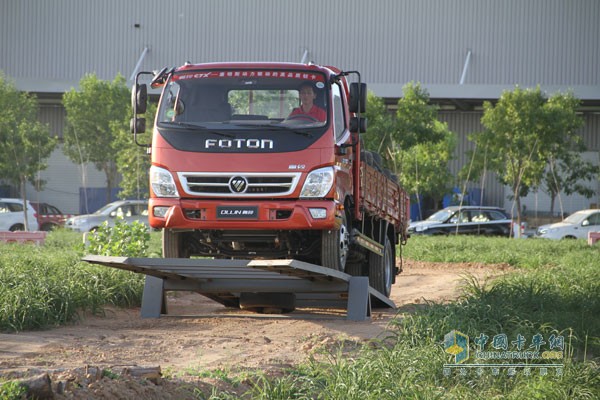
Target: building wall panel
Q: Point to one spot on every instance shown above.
(548, 42)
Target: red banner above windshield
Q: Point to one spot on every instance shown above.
(305, 76)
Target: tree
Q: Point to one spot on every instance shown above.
(95, 115)
(524, 130)
(26, 143)
(413, 142)
(567, 175)
(133, 161)
(425, 167)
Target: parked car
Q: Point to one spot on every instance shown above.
(575, 226)
(49, 216)
(474, 220)
(12, 217)
(129, 210)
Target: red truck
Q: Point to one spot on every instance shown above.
(263, 161)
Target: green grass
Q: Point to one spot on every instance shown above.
(552, 288)
(48, 285)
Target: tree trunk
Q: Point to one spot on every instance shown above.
(110, 171)
(25, 209)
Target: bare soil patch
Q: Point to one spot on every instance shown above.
(205, 336)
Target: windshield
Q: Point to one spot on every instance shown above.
(105, 209)
(576, 218)
(441, 216)
(238, 98)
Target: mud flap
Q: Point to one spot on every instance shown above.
(153, 299)
(359, 300)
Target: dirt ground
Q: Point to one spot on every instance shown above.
(201, 335)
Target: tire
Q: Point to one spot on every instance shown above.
(172, 244)
(335, 245)
(381, 269)
(48, 227)
(268, 303)
(355, 269)
(17, 227)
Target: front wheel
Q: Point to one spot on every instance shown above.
(172, 244)
(335, 245)
(381, 269)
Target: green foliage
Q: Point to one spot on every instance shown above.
(425, 167)
(26, 143)
(272, 103)
(413, 142)
(12, 390)
(524, 131)
(123, 239)
(95, 115)
(133, 162)
(380, 125)
(567, 175)
(48, 285)
(416, 119)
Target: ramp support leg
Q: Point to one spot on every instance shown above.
(153, 299)
(359, 300)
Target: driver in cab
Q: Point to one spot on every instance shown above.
(308, 110)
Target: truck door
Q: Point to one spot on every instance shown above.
(342, 136)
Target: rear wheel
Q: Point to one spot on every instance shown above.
(48, 227)
(17, 227)
(335, 245)
(268, 303)
(381, 269)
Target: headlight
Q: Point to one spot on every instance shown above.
(162, 182)
(318, 183)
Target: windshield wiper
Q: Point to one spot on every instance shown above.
(276, 128)
(190, 125)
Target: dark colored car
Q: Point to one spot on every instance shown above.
(49, 216)
(467, 220)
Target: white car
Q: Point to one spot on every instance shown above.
(129, 210)
(12, 217)
(575, 226)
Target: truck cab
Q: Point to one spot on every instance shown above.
(243, 168)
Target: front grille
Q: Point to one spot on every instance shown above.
(253, 184)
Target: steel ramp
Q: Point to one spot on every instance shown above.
(224, 281)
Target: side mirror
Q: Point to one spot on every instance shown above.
(139, 98)
(585, 223)
(137, 125)
(358, 125)
(358, 96)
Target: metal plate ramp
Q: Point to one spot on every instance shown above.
(224, 281)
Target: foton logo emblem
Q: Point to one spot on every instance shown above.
(238, 143)
(238, 184)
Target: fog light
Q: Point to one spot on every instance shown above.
(160, 212)
(318, 213)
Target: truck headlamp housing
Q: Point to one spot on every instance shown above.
(162, 182)
(318, 183)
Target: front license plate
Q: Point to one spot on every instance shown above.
(237, 212)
